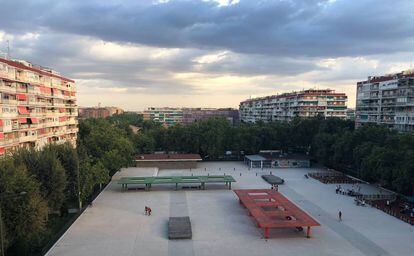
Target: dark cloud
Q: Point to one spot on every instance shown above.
(283, 28)
(282, 43)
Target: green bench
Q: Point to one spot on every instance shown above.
(149, 181)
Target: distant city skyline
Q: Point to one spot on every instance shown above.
(136, 54)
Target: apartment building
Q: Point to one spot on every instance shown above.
(350, 114)
(37, 106)
(387, 100)
(99, 112)
(165, 116)
(286, 106)
(191, 115)
(172, 116)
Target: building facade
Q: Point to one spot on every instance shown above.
(172, 116)
(37, 106)
(350, 114)
(191, 115)
(286, 106)
(387, 100)
(165, 116)
(99, 112)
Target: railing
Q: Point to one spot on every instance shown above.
(5, 88)
(8, 101)
(374, 197)
(27, 138)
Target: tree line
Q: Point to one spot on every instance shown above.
(372, 153)
(37, 187)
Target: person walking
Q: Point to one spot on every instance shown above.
(146, 210)
(149, 211)
(340, 216)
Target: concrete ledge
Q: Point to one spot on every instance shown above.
(179, 228)
(273, 180)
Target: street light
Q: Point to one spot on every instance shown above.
(1, 221)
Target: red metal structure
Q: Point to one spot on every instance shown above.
(271, 209)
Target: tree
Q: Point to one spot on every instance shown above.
(23, 208)
(52, 177)
(68, 157)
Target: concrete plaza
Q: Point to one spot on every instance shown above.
(116, 224)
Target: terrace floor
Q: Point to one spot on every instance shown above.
(116, 224)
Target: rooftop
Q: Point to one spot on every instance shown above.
(41, 71)
(116, 224)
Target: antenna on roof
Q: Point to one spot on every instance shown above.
(8, 49)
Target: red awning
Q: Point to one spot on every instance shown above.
(34, 120)
(1, 135)
(23, 120)
(20, 96)
(56, 91)
(2, 151)
(1, 122)
(62, 118)
(23, 110)
(73, 93)
(45, 90)
(66, 93)
(61, 110)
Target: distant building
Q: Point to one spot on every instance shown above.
(276, 159)
(168, 161)
(165, 116)
(286, 106)
(350, 114)
(37, 106)
(172, 116)
(387, 100)
(191, 115)
(99, 112)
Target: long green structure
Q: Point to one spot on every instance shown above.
(149, 181)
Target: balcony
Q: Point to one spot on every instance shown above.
(22, 102)
(389, 95)
(52, 124)
(5, 88)
(27, 138)
(8, 101)
(58, 104)
(8, 141)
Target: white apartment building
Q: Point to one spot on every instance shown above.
(387, 100)
(286, 106)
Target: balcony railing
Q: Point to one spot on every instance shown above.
(27, 138)
(5, 88)
(8, 101)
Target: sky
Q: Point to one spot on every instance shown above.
(211, 53)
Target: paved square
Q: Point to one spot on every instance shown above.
(117, 225)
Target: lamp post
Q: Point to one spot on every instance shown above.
(1, 222)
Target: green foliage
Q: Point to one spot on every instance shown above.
(107, 143)
(23, 208)
(58, 176)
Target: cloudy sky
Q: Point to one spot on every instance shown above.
(211, 53)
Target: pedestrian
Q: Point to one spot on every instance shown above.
(146, 210)
(149, 211)
(340, 216)
(277, 187)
